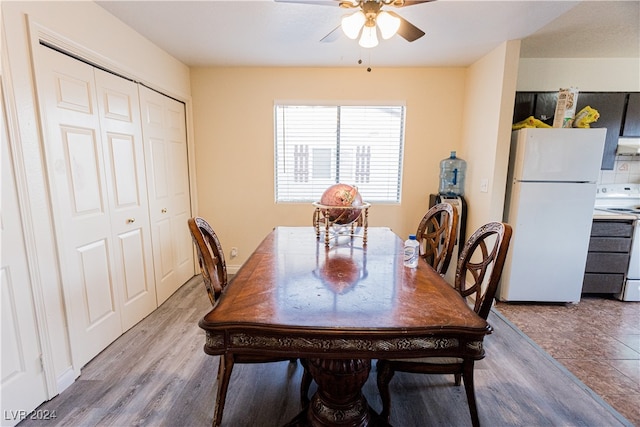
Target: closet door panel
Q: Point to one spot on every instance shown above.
(133, 252)
(162, 222)
(160, 190)
(95, 276)
(81, 166)
(176, 132)
(125, 184)
(164, 236)
(119, 111)
(75, 168)
(164, 131)
(74, 92)
(182, 209)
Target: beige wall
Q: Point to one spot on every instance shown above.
(488, 112)
(234, 133)
(464, 109)
(587, 74)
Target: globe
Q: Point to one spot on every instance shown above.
(340, 273)
(342, 195)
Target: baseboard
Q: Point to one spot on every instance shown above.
(65, 379)
(233, 269)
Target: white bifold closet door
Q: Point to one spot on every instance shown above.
(165, 143)
(95, 166)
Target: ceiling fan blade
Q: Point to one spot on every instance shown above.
(317, 2)
(411, 3)
(332, 36)
(407, 30)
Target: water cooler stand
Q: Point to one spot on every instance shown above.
(460, 204)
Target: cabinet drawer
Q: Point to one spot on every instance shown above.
(621, 228)
(605, 262)
(602, 283)
(609, 244)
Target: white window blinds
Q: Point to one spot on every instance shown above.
(318, 146)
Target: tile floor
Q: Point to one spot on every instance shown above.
(598, 340)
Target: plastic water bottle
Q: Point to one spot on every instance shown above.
(411, 251)
(452, 172)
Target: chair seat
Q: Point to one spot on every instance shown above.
(430, 360)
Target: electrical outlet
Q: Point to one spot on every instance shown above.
(484, 185)
(234, 252)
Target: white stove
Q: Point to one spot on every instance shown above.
(618, 198)
(624, 200)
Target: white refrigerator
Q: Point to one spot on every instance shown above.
(551, 188)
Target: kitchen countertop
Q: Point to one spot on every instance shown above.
(600, 214)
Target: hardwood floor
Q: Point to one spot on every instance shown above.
(598, 340)
(157, 374)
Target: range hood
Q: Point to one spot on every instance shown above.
(628, 147)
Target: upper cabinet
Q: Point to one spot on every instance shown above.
(525, 103)
(545, 107)
(615, 109)
(610, 105)
(631, 125)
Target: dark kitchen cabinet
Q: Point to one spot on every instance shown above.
(545, 107)
(608, 256)
(632, 116)
(610, 105)
(523, 108)
(541, 105)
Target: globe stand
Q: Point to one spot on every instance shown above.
(334, 228)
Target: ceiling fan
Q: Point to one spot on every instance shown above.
(369, 18)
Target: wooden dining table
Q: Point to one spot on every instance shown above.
(337, 307)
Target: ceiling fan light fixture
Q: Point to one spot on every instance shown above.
(388, 24)
(369, 37)
(351, 24)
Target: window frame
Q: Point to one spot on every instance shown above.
(339, 104)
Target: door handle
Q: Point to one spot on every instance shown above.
(164, 210)
(131, 220)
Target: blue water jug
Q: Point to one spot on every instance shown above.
(452, 170)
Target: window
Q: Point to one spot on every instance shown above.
(318, 146)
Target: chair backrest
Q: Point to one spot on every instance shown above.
(480, 265)
(437, 236)
(210, 257)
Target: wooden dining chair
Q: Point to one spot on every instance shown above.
(214, 276)
(477, 275)
(437, 233)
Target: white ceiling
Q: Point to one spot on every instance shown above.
(270, 33)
